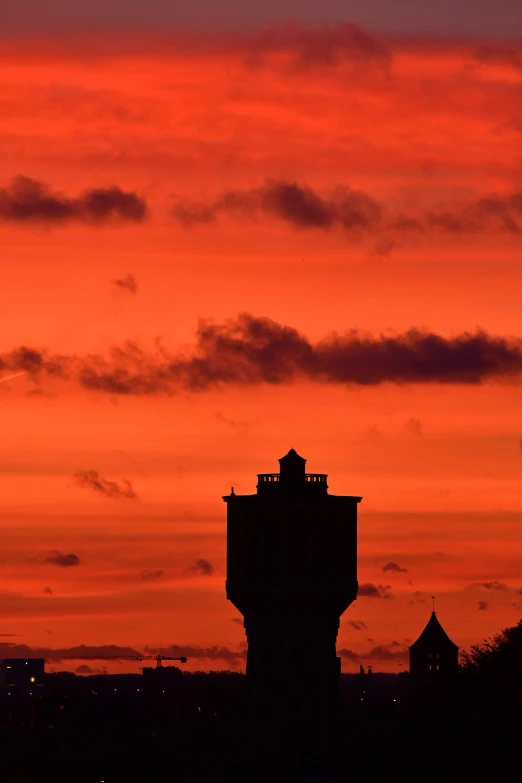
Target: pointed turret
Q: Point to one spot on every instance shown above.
(434, 652)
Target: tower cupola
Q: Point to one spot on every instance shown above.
(292, 469)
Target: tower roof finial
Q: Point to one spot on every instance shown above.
(433, 604)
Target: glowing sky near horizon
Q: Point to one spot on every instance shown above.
(328, 179)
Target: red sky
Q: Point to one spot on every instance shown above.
(335, 180)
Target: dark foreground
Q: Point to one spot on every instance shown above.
(191, 728)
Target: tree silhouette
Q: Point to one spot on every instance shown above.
(499, 656)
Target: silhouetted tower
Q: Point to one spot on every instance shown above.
(434, 653)
(292, 572)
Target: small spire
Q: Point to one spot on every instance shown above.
(232, 491)
(433, 604)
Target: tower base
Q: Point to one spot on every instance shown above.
(293, 696)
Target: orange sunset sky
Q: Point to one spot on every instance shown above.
(216, 245)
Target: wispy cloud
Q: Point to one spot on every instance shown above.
(357, 625)
(202, 566)
(391, 566)
(298, 205)
(369, 590)
(500, 55)
(128, 284)
(393, 652)
(354, 212)
(10, 650)
(62, 560)
(307, 48)
(109, 489)
(236, 424)
(494, 585)
(151, 576)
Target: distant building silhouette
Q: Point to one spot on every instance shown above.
(292, 572)
(434, 653)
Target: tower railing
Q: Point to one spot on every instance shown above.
(268, 478)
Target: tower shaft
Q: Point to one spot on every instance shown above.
(293, 683)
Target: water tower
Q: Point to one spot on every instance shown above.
(292, 572)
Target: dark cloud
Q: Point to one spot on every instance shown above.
(26, 200)
(61, 559)
(202, 566)
(357, 625)
(48, 590)
(348, 655)
(369, 590)
(249, 350)
(497, 55)
(10, 635)
(495, 585)
(303, 208)
(482, 605)
(150, 576)
(194, 652)
(493, 213)
(128, 284)
(298, 205)
(10, 650)
(519, 592)
(391, 566)
(109, 489)
(311, 47)
(394, 652)
(84, 669)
